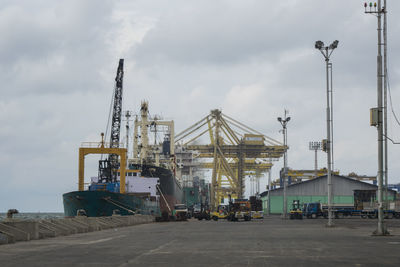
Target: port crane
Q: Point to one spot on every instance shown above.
(108, 167)
(236, 150)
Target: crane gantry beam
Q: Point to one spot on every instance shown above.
(230, 151)
(247, 166)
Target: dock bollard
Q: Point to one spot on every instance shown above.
(11, 212)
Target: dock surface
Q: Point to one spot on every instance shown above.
(268, 242)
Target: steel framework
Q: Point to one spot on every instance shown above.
(236, 150)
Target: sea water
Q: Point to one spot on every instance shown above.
(34, 215)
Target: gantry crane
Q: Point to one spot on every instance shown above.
(236, 150)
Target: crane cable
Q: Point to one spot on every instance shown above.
(109, 117)
(114, 202)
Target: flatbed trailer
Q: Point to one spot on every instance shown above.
(389, 214)
(367, 213)
(315, 210)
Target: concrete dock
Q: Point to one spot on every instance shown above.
(268, 242)
(13, 230)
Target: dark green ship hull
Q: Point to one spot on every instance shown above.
(104, 203)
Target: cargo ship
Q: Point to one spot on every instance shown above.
(149, 190)
(142, 184)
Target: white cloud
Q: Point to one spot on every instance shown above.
(243, 99)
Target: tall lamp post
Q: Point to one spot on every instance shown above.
(283, 122)
(380, 111)
(326, 51)
(269, 188)
(315, 146)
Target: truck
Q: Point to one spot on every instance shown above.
(196, 210)
(203, 213)
(180, 212)
(313, 210)
(316, 209)
(256, 207)
(239, 209)
(392, 210)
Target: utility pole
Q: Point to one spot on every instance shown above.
(283, 122)
(377, 10)
(269, 188)
(385, 100)
(326, 51)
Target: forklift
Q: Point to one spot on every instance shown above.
(296, 212)
(204, 213)
(221, 213)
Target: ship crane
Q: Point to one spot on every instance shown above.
(108, 167)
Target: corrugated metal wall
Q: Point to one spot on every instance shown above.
(277, 201)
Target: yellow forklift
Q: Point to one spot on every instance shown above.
(221, 213)
(296, 212)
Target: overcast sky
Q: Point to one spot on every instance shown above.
(252, 59)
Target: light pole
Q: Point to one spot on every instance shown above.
(269, 187)
(377, 10)
(283, 122)
(326, 51)
(315, 146)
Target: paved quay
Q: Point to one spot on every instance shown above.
(268, 242)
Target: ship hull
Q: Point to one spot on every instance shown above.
(172, 192)
(104, 203)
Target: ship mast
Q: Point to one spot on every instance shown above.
(144, 109)
(146, 153)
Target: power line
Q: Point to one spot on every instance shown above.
(391, 103)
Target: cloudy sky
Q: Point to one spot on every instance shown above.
(252, 59)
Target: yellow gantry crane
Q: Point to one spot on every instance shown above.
(236, 150)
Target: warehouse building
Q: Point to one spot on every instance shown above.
(346, 192)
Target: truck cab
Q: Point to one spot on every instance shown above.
(180, 212)
(312, 210)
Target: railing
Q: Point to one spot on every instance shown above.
(98, 144)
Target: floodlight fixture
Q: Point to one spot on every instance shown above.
(287, 119)
(334, 44)
(279, 119)
(319, 45)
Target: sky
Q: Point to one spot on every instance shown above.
(251, 59)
